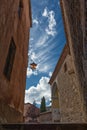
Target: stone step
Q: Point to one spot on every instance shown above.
(62, 126)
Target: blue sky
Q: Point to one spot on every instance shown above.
(47, 39)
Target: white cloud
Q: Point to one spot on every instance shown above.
(58, 3)
(31, 39)
(42, 89)
(44, 67)
(33, 56)
(35, 21)
(41, 57)
(31, 72)
(52, 23)
(45, 13)
(42, 40)
(50, 74)
(50, 30)
(49, 104)
(41, 49)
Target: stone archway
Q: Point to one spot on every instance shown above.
(55, 103)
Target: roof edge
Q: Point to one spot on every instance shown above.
(59, 63)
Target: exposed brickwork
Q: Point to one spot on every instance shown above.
(11, 26)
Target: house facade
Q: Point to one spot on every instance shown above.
(75, 23)
(66, 98)
(69, 79)
(15, 23)
(31, 113)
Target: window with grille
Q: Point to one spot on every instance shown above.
(10, 60)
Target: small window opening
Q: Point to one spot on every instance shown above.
(10, 60)
(20, 8)
(65, 67)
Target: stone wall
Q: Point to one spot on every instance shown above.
(31, 113)
(74, 22)
(55, 103)
(13, 26)
(69, 96)
(45, 117)
(64, 75)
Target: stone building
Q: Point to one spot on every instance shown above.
(66, 100)
(15, 22)
(45, 117)
(69, 79)
(31, 113)
(75, 21)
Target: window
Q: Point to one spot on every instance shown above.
(20, 8)
(65, 67)
(10, 60)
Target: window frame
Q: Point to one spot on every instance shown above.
(10, 60)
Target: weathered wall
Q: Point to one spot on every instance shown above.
(69, 96)
(55, 103)
(9, 114)
(29, 111)
(73, 15)
(45, 117)
(12, 92)
(64, 75)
